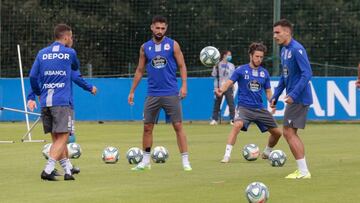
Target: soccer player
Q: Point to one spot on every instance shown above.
(252, 79)
(161, 56)
(358, 80)
(50, 78)
(222, 72)
(295, 77)
(78, 80)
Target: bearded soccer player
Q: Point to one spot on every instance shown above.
(161, 57)
(50, 78)
(296, 74)
(252, 80)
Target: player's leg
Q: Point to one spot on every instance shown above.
(275, 134)
(242, 120)
(216, 110)
(229, 96)
(172, 107)
(266, 122)
(295, 118)
(151, 110)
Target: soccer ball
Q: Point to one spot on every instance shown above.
(277, 158)
(251, 152)
(257, 192)
(160, 154)
(209, 56)
(74, 150)
(110, 155)
(46, 150)
(134, 155)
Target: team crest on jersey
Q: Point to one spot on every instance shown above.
(262, 74)
(167, 46)
(159, 62)
(254, 86)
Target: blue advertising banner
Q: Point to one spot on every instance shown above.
(335, 98)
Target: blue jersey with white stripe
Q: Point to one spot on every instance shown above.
(50, 75)
(161, 67)
(252, 82)
(296, 74)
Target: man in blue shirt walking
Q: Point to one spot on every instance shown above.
(51, 79)
(295, 78)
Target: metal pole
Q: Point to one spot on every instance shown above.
(23, 91)
(276, 50)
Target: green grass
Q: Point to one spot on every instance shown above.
(332, 152)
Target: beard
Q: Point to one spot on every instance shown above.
(158, 38)
(255, 64)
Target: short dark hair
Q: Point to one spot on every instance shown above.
(159, 19)
(60, 29)
(284, 23)
(257, 46)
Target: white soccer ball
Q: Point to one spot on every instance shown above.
(277, 158)
(257, 192)
(46, 150)
(251, 152)
(134, 155)
(110, 155)
(209, 56)
(74, 150)
(160, 154)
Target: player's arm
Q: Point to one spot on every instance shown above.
(278, 90)
(34, 75)
(79, 81)
(358, 80)
(31, 104)
(182, 68)
(306, 73)
(224, 87)
(140, 69)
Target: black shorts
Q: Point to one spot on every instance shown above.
(57, 119)
(171, 105)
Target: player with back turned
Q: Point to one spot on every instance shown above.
(51, 79)
(161, 56)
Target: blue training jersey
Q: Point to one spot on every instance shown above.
(50, 75)
(296, 74)
(77, 79)
(251, 84)
(161, 67)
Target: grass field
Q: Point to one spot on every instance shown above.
(332, 152)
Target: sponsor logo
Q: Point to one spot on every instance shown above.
(54, 85)
(55, 72)
(254, 86)
(50, 56)
(159, 62)
(255, 73)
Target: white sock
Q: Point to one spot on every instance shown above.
(302, 166)
(63, 163)
(185, 158)
(146, 158)
(228, 150)
(50, 165)
(267, 150)
(69, 164)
